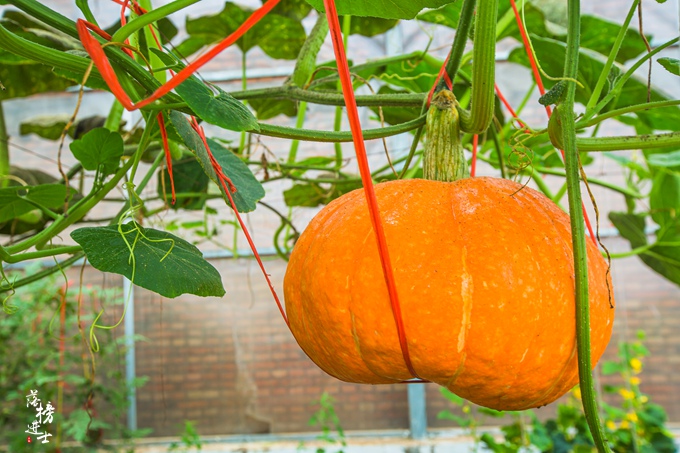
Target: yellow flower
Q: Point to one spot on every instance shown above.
(577, 393)
(611, 425)
(644, 399)
(626, 394)
(635, 365)
(632, 416)
(635, 380)
(625, 424)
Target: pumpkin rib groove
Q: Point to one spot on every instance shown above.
(459, 233)
(564, 247)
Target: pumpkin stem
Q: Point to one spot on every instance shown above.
(443, 156)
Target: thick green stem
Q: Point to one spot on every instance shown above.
(306, 62)
(150, 17)
(42, 274)
(630, 109)
(483, 70)
(69, 249)
(559, 121)
(443, 159)
(4, 150)
(299, 122)
(459, 41)
(114, 117)
(595, 95)
(337, 122)
(332, 136)
(372, 64)
(326, 98)
(572, 167)
(452, 66)
(499, 151)
(244, 87)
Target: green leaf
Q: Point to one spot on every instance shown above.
(249, 189)
(315, 161)
(370, 26)
(18, 200)
(447, 15)
(610, 367)
(163, 263)
(672, 65)
(599, 35)
(189, 178)
(551, 54)
(29, 79)
(396, 115)
(653, 415)
(534, 19)
(99, 149)
(665, 260)
(387, 9)
(313, 194)
(222, 110)
(267, 108)
(664, 200)
(295, 9)
(49, 127)
(278, 36)
(671, 159)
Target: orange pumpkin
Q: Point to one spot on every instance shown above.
(485, 278)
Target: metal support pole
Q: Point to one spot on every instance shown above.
(417, 411)
(130, 368)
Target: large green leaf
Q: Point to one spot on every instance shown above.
(222, 110)
(551, 54)
(385, 9)
(370, 26)
(665, 260)
(189, 177)
(664, 200)
(249, 189)
(599, 35)
(28, 79)
(100, 149)
(277, 35)
(18, 200)
(163, 263)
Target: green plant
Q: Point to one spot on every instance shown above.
(190, 439)
(634, 425)
(327, 420)
(42, 354)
